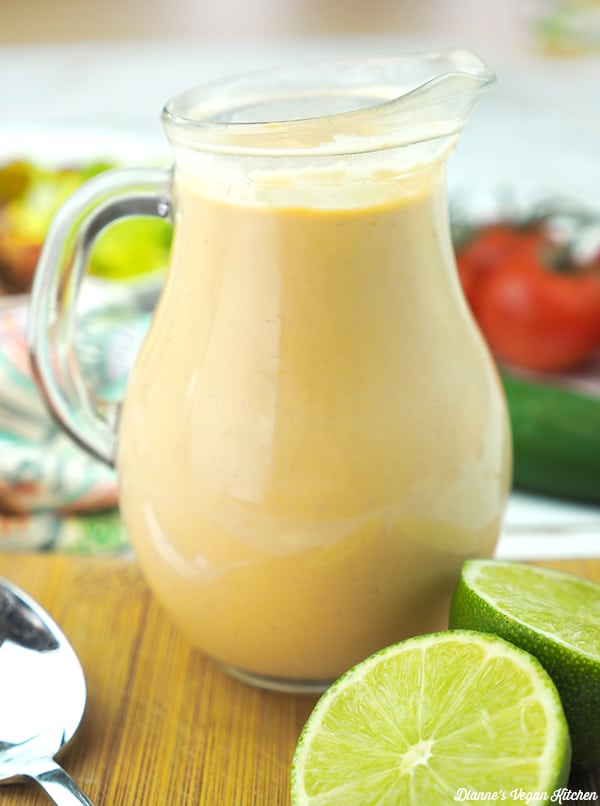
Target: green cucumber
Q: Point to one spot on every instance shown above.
(556, 439)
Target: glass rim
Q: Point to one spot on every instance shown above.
(197, 117)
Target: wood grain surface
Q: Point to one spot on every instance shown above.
(163, 725)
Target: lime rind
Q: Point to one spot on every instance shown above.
(417, 721)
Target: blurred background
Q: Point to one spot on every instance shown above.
(471, 21)
(511, 27)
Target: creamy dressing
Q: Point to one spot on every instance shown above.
(313, 437)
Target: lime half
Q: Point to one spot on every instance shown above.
(553, 615)
(431, 719)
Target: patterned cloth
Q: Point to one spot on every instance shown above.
(53, 495)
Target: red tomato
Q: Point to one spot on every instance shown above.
(538, 317)
(483, 253)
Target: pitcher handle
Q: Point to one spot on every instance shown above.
(88, 418)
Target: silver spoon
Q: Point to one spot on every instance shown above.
(42, 697)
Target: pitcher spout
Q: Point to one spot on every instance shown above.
(338, 107)
(438, 91)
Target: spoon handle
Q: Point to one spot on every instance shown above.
(59, 786)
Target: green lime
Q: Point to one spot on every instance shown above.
(432, 719)
(554, 616)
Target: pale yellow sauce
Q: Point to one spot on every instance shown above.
(313, 438)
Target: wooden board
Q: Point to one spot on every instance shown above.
(163, 726)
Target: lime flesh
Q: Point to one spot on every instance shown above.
(554, 616)
(424, 720)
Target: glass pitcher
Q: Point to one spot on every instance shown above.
(313, 437)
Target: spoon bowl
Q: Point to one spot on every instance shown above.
(42, 696)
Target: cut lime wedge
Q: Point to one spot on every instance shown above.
(429, 719)
(554, 616)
